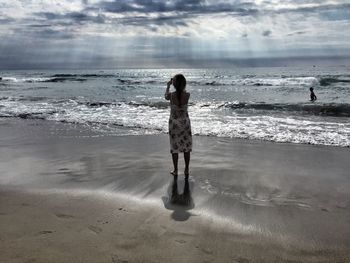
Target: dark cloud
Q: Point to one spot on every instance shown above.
(177, 13)
(336, 14)
(52, 37)
(296, 33)
(45, 33)
(55, 26)
(146, 21)
(267, 33)
(52, 33)
(75, 17)
(152, 23)
(6, 20)
(146, 6)
(201, 7)
(39, 25)
(168, 13)
(194, 7)
(318, 8)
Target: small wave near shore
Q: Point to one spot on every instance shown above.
(207, 119)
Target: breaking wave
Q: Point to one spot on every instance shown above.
(254, 81)
(153, 118)
(328, 109)
(224, 81)
(251, 80)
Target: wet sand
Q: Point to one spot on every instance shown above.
(71, 195)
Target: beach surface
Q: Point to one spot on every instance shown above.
(68, 194)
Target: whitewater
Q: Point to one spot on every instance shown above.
(251, 103)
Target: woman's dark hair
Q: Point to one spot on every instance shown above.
(180, 85)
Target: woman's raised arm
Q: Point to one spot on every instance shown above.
(167, 94)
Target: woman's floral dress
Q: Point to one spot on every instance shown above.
(179, 129)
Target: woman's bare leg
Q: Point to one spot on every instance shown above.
(187, 157)
(175, 157)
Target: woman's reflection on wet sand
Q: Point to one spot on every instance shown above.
(179, 203)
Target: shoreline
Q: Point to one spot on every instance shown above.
(90, 133)
(252, 201)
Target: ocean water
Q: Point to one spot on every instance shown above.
(252, 103)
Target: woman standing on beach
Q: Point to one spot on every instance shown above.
(179, 123)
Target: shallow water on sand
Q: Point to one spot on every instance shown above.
(297, 194)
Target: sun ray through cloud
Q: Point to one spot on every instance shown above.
(137, 31)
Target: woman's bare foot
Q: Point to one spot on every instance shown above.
(174, 173)
(187, 174)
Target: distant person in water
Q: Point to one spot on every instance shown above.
(180, 134)
(312, 95)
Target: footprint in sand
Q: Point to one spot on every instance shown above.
(206, 251)
(241, 260)
(115, 259)
(102, 222)
(44, 232)
(341, 206)
(95, 229)
(63, 216)
(180, 241)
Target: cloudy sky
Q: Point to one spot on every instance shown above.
(170, 33)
